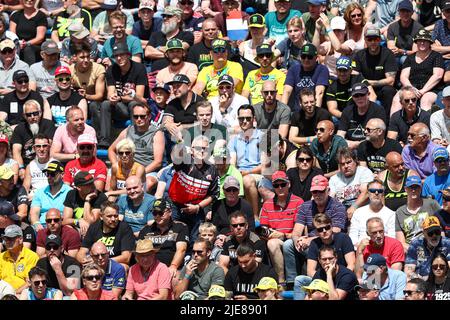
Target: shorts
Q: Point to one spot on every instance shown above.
(265, 183)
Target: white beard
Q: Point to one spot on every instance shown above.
(34, 127)
(168, 28)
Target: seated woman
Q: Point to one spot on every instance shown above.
(438, 279)
(356, 24)
(125, 167)
(92, 276)
(423, 71)
(37, 290)
(6, 159)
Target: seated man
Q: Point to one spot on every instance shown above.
(440, 134)
(440, 179)
(14, 193)
(9, 217)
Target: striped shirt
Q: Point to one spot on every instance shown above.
(279, 218)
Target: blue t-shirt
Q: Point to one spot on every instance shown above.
(45, 200)
(341, 242)
(393, 288)
(133, 43)
(115, 276)
(136, 217)
(433, 184)
(141, 33)
(419, 255)
(277, 29)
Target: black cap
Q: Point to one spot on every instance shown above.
(54, 166)
(83, 178)
(359, 88)
(19, 74)
(446, 5)
(226, 78)
(161, 205)
(120, 48)
(7, 209)
(53, 238)
(264, 48)
(180, 78)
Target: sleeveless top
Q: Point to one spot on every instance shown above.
(38, 178)
(120, 176)
(290, 148)
(144, 144)
(248, 51)
(49, 294)
(394, 199)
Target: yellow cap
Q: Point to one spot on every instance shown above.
(5, 172)
(266, 283)
(430, 222)
(319, 285)
(216, 291)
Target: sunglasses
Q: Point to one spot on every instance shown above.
(93, 277)
(41, 146)
(409, 292)
(359, 95)
(86, 147)
(413, 135)
(51, 247)
(439, 266)
(369, 130)
(55, 220)
(124, 153)
(7, 51)
(242, 119)
(37, 283)
(32, 114)
(139, 116)
(199, 252)
(52, 174)
(434, 233)
(355, 15)
(61, 79)
(300, 159)
(235, 225)
(373, 39)
(441, 160)
(280, 185)
(265, 55)
(318, 191)
(319, 130)
(306, 56)
(225, 87)
(186, 3)
(219, 50)
(231, 190)
(412, 100)
(373, 190)
(103, 255)
(23, 81)
(271, 92)
(322, 229)
(158, 213)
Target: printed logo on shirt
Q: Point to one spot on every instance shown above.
(109, 243)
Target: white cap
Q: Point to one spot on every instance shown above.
(338, 23)
(446, 92)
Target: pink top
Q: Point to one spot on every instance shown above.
(145, 290)
(68, 142)
(81, 294)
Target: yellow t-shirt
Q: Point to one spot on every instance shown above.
(210, 77)
(15, 273)
(254, 82)
(87, 80)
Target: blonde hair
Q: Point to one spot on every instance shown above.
(92, 266)
(353, 6)
(207, 226)
(296, 22)
(126, 143)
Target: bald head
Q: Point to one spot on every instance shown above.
(133, 180)
(393, 157)
(269, 86)
(52, 213)
(376, 123)
(98, 248)
(327, 124)
(420, 128)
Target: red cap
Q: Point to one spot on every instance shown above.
(319, 183)
(280, 175)
(3, 138)
(62, 70)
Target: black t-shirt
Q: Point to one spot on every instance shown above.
(403, 37)
(136, 75)
(344, 280)
(444, 219)
(376, 158)
(13, 106)
(374, 67)
(158, 39)
(231, 245)
(428, 13)
(58, 106)
(301, 188)
(353, 123)
(175, 109)
(27, 28)
(306, 127)
(260, 6)
(17, 196)
(242, 283)
(398, 123)
(341, 242)
(22, 135)
(439, 292)
(167, 242)
(118, 240)
(74, 201)
(70, 267)
(221, 213)
(200, 55)
(421, 72)
(341, 92)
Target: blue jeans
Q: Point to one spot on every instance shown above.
(293, 260)
(193, 222)
(301, 281)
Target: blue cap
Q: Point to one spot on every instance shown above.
(317, 2)
(161, 86)
(406, 5)
(375, 259)
(413, 181)
(344, 63)
(440, 152)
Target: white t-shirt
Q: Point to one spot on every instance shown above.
(347, 190)
(230, 118)
(440, 125)
(357, 230)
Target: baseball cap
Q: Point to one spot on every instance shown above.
(19, 74)
(446, 5)
(4, 138)
(144, 246)
(413, 181)
(62, 70)
(231, 182)
(53, 238)
(218, 43)
(372, 32)
(431, 222)
(86, 138)
(120, 48)
(226, 78)
(359, 88)
(405, 5)
(263, 49)
(83, 178)
(164, 87)
(54, 166)
(6, 172)
(318, 284)
(446, 92)
(344, 63)
(309, 49)
(317, 2)
(7, 209)
(281, 0)
(145, 4)
(216, 291)
(161, 205)
(180, 78)
(440, 152)
(445, 193)
(423, 35)
(257, 20)
(174, 44)
(189, 295)
(49, 47)
(280, 175)
(375, 259)
(7, 43)
(366, 285)
(266, 283)
(78, 31)
(109, 4)
(172, 11)
(13, 231)
(338, 23)
(319, 183)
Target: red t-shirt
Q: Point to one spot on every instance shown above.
(81, 294)
(392, 250)
(278, 218)
(97, 168)
(69, 236)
